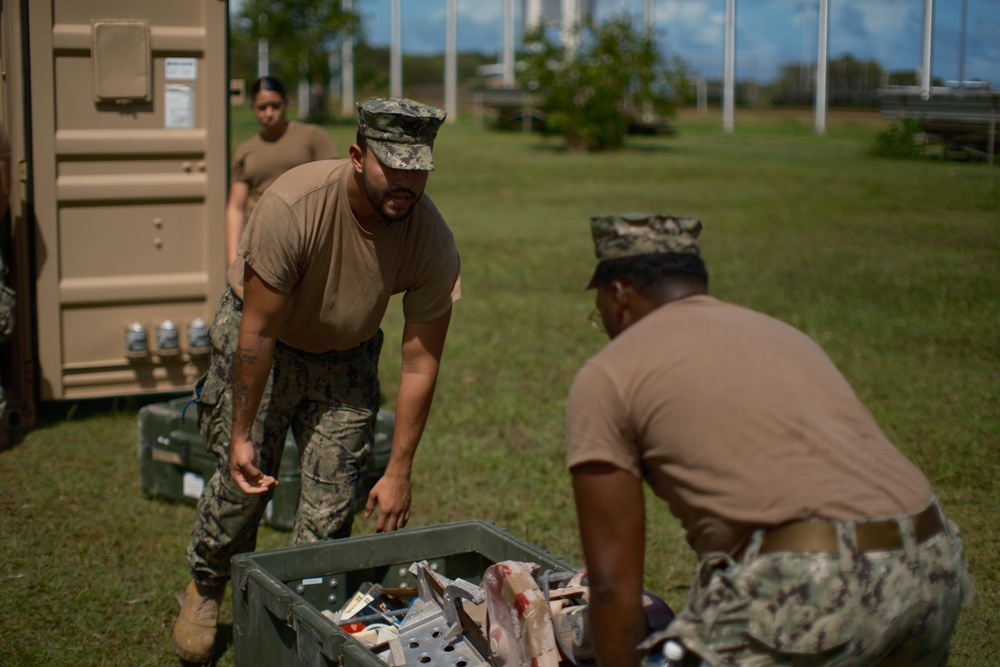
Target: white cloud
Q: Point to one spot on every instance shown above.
(478, 11)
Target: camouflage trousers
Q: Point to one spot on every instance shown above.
(894, 608)
(330, 402)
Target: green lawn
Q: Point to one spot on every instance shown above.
(894, 267)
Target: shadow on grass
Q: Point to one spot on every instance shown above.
(49, 413)
(56, 411)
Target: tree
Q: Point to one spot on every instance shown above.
(850, 82)
(300, 35)
(371, 68)
(614, 79)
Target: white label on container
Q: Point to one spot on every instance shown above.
(193, 485)
(180, 69)
(178, 113)
(312, 581)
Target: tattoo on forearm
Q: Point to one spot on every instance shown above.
(242, 360)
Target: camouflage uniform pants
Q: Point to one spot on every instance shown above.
(888, 608)
(329, 401)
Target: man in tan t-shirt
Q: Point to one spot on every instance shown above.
(816, 538)
(296, 343)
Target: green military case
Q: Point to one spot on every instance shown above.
(174, 463)
(279, 595)
(281, 509)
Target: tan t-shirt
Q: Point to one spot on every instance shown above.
(736, 420)
(304, 240)
(258, 162)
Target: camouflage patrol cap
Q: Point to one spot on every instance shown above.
(635, 234)
(399, 131)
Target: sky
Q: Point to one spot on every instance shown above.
(769, 33)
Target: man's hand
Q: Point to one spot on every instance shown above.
(244, 471)
(421, 358)
(392, 495)
(263, 311)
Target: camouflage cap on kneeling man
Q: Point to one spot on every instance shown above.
(635, 234)
(400, 132)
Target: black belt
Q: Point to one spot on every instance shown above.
(821, 536)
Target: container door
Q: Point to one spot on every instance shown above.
(16, 350)
(129, 108)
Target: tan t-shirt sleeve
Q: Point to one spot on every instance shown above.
(433, 283)
(596, 425)
(441, 288)
(273, 247)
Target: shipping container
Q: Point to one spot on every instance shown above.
(117, 113)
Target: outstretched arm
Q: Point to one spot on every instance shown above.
(423, 344)
(263, 311)
(612, 515)
(238, 194)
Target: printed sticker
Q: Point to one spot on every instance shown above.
(193, 485)
(178, 113)
(180, 69)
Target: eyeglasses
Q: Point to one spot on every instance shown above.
(596, 321)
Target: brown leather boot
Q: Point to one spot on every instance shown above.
(194, 631)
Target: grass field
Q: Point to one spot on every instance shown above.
(894, 267)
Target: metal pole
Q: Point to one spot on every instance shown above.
(532, 14)
(925, 72)
(508, 43)
(395, 52)
(263, 50)
(961, 48)
(821, 74)
(649, 15)
(347, 69)
(451, 62)
(262, 57)
(728, 102)
(570, 24)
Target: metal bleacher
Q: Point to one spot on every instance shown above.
(960, 117)
(513, 104)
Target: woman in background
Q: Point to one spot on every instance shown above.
(280, 145)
